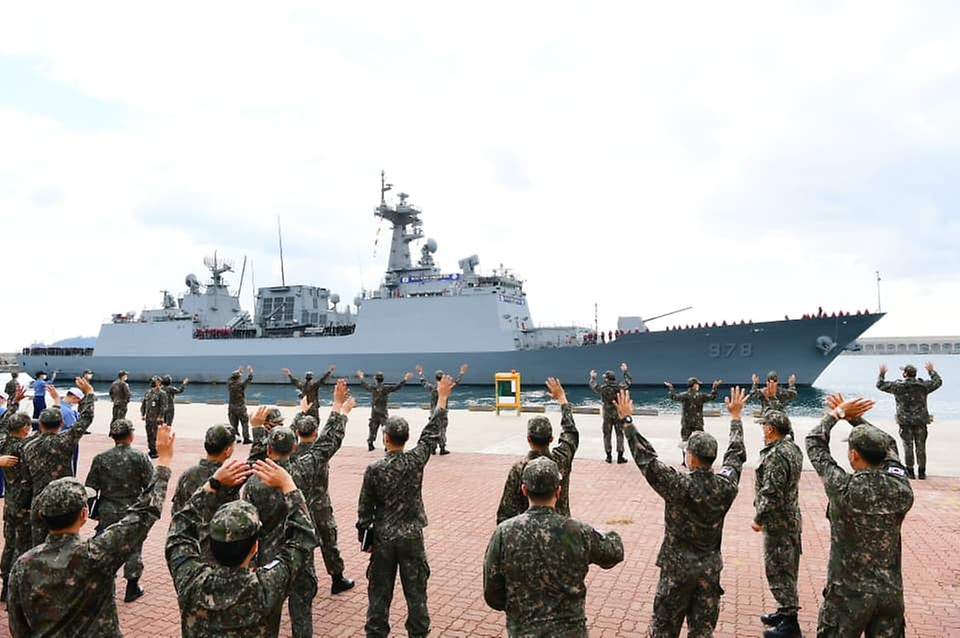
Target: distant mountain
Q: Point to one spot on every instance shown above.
(72, 342)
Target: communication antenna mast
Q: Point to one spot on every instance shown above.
(283, 279)
(878, 291)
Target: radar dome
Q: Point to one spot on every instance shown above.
(356, 301)
(192, 282)
(334, 299)
(432, 245)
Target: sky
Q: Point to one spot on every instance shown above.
(753, 160)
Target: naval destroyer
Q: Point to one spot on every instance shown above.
(421, 314)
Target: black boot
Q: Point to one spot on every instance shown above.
(772, 620)
(620, 458)
(910, 473)
(788, 628)
(3, 592)
(444, 450)
(609, 458)
(370, 447)
(922, 473)
(340, 584)
(134, 590)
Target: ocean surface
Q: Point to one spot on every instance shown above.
(851, 375)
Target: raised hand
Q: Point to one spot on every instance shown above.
(419, 369)
(340, 394)
(624, 403)
(286, 371)
(792, 379)
(445, 386)
(883, 368)
(463, 369)
(273, 475)
(331, 368)
(755, 378)
(623, 367)
(258, 418)
(408, 376)
(736, 401)
(232, 472)
(360, 373)
(556, 390)
(593, 374)
(165, 437)
(348, 405)
(929, 366)
(185, 381)
(855, 408)
(668, 384)
(249, 369)
(83, 385)
(716, 384)
(832, 401)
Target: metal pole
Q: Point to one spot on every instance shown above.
(878, 291)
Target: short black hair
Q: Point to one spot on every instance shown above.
(213, 449)
(398, 439)
(233, 553)
(18, 421)
(539, 441)
(873, 457)
(63, 521)
(705, 460)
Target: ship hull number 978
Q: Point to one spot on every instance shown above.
(727, 350)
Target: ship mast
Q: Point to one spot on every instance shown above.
(401, 216)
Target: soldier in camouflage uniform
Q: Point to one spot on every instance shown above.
(912, 416)
(776, 500)
(608, 391)
(152, 409)
(310, 389)
(539, 437)
(12, 384)
(320, 505)
(120, 475)
(379, 392)
(432, 388)
(691, 418)
(237, 403)
(864, 591)
(229, 597)
(166, 384)
(66, 585)
(14, 428)
(695, 505)
(120, 395)
(391, 509)
(49, 455)
(772, 396)
(536, 563)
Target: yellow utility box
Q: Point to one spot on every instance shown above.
(507, 392)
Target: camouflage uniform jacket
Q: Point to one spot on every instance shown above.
(778, 402)
(49, 456)
(172, 391)
(911, 395)
(866, 510)
(311, 388)
(218, 601)
(316, 495)
(120, 474)
(608, 392)
(513, 502)
(391, 496)
(65, 586)
(692, 415)
(695, 504)
(120, 392)
(154, 405)
(535, 567)
(237, 391)
(776, 490)
(379, 392)
(196, 476)
(16, 478)
(11, 388)
(432, 387)
(306, 470)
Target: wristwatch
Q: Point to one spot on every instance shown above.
(839, 413)
(214, 483)
(627, 420)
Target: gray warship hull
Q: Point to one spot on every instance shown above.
(733, 353)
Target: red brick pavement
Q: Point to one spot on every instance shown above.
(461, 493)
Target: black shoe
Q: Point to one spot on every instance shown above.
(134, 591)
(788, 628)
(434, 451)
(772, 620)
(609, 459)
(922, 473)
(3, 592)
(153, 454)
(444, 451)
(910, 473)
(340, 584)
(370, 447)
(620, 459)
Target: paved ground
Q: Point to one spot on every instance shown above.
(461, 492)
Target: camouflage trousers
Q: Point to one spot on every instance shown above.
(237, 415)
(300, 603)
(133, 568)
(689, 427)
(119, 411)
(16, 530)
(609, 426)
(376, 420)
(151, 425)
(169, 414)
(914, 436)
(846, 612)
(326, 528)
(409, 556)
(694, 597)
(781, 560)
(443, 436)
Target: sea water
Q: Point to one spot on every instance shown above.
(851, 375)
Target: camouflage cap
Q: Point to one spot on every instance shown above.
(51, 416)
(235, 374)
(609, 375)
(281, 439)
(397, 428)
(166, 379)
(308, 375)
(438, 374)
(779, 420)
(868, 438)
(218, 436)
(541, 476)
(304, 425)
(64, 495)
(539, 427)
(121, 428)
(274, 416)
(909, 370)
(692, 381)
(702, 445)
(773, 376)
(234, 521)
(121, 374)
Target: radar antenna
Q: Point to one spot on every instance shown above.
(217, 267)
(384, 187)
